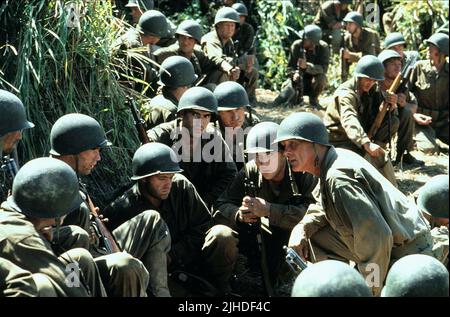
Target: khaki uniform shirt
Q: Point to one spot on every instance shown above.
(327, 15)
(216, 51)
(15, 282)
(162, 108)
(317, 59)
(368, 44)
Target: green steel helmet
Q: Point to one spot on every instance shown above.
(388, 54)
(441, 41)
(313, 33)
(303, 126)
(45, 188)
(433, 197)
(13, 117)
(153, 23)
(190, 28)
(230, 95)
(154, 158)
(226, 14)
(416, 275)
(177, 71)
(330, 278)
(198, 98)
(241, 9)
(369, 66)
(355, 17)
(260, 138)
(393, 39)
(74, 133)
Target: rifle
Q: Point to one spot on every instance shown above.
(343, 64)
(139, 123)
(106, 237)
(250, 190)
(294, 261)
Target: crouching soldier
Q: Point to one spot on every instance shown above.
(197, 246)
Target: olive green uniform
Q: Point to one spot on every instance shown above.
(15, 282)
(350, 117)
(314, 76)
(209, 178)
(368, 44)
(326, 17)
(375, 222)
(431, 90)
(162, 108)
(195, 242)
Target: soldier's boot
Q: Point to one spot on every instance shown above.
(158, 284)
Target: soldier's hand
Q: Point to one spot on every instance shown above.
(296, 77)
(391, 99)
(235, 73)
(257, 206)
(299, 241)
(422, 119)
(401, 101)
(373, 149)
(226, 67)
(250, 63)
(244, 216)
(346, 54)
(301, 62)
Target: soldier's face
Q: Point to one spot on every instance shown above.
(398, 48)
(159, 185)
(87, 161)
(232, 118)
(351, 27)
(226, 30)
(300, 155)
(135, 13)
(433, 54)
(196, 121)
(270, 164)
(242, 18)
(10, 141)
(365, 84)
(392, 68)
(186, 44)
(149, 39)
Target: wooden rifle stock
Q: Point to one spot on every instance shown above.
(384, 108)
(139, 123)
(108, 240)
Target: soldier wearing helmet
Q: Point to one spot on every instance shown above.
(176, 76)
(356, 104)
(235, 117)
(282, 198)
(359, 40)
(429, 83)
(45, 190)
(395, 41)
(313, 66)
(13, 121)
(365, 220)
(137, 8)
(218, 45)
(77, 140)
(204, 156)
(197, 246)
(329, 18)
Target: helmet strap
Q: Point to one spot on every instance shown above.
(316, 160)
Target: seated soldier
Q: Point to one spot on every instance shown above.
(244, 41)
(307, 69)
(44, 191)
(356, 104)
(197, 246)
(176, 75)
(77, 140)
(203, 154)
(429, 83)
(234, 120)
(280, 196)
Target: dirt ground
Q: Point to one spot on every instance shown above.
(249, 283)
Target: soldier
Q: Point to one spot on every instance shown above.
(416, 275)
(281, 197)
(429, 83)
(137, 8)
(77, 140)
(330, 278)
(406, 105)
(356, 104)
(13, 121)
(152, 26)
(395, 41)
(234, 120)
(330, 19)
(433, 203)
(374, 222)
(176, 76)
(204, 156)
(219, 47)
(359, 40)
(197, 245)
(313, 66)
(189, 34)
(244, 41)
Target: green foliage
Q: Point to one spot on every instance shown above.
(61, 69)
